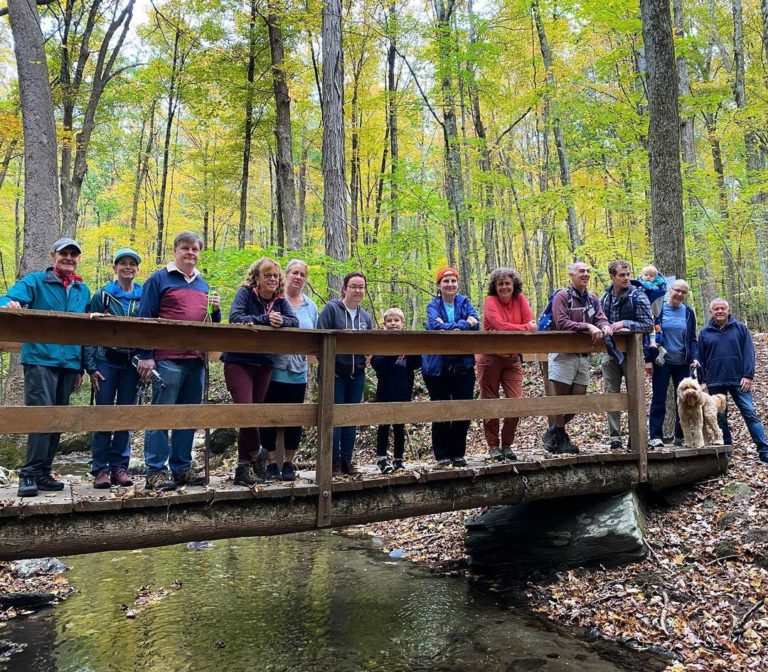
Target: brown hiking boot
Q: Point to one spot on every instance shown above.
(101, 480)
(159, 481)
(189, 477)
(122, 478)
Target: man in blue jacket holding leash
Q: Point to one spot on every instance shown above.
(727, 358)
(51, 371)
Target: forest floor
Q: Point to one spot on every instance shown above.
(701, 592)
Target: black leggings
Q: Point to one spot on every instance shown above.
(382, 440)
(283, 393)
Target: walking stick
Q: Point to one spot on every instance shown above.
(206, 385)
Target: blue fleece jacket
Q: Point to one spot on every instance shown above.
(43, 290)
(727, 353)
(432, 365)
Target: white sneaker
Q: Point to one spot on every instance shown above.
(656, 443)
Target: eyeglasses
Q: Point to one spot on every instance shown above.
(356, 288)
(267, 276)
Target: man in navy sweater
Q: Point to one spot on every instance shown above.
(176, 292)
(727, 359)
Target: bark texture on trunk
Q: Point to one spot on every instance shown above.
(663, 139)
(248, 128)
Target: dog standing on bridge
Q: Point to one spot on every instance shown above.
(698, 414)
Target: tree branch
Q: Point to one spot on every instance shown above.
(4, 10)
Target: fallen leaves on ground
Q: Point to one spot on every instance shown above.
(56, 584)
(146, 598)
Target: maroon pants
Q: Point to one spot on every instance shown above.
(494, 371)
(247, 385)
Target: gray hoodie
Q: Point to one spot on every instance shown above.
(336, 316)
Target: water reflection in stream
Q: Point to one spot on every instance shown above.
(311, 602)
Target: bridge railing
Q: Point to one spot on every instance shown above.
(18, 326)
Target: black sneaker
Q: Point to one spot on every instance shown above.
(616, 444)
(48, 483)
(509, 454)
(398, 465)
(384, 466)
(761, 455)
(189, 477)
(27, 487)
(272, 473)
(288, 472)
(567, 445)
(159, 481)
(548, 440)
(349, 469)
(459, 462)
(244, 476)
(441, 464)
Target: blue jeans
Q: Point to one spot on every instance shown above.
(660, 382)
(183, 385)
(746, 405)
(112, 450)
(346, 391)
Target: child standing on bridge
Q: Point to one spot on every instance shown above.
(395, 383)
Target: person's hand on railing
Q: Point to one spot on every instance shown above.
(596, 333)
(95, 378)
(12, 304)
(472, 320)
(145, 367)
(275, 320)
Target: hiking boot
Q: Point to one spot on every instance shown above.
(189, 477)
(272, 473)
(49, 483)
(496, 454)
(384, 466)
(762, 456)
(244, 476)
(122, 478)
(509, 454)
(442, 464)
(336, 470)
(159, 481)
(459, 462)
(567, 446)
(655, 443)
(348, 469)
(101, 480)
(677, 442)
(548, 440)
(27, 487)
(616, 443)
(288, 472)
(398, 465)
(259, 463)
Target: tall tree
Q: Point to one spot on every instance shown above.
(663, 138)
(247, 126)
(42, 213)
(286, 189)
(334, 184)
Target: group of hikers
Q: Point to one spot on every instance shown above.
(723, 355)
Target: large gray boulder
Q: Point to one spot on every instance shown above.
(555, 534)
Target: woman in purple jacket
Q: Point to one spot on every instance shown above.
(259, 301)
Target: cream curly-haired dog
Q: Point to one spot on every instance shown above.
(698, 414)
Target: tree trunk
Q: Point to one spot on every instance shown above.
(283, 133)
(663, 139)
(248, 130)
(392, 116)
(334, 182)
(74, 148)
(9, 152)
(562, 154)
(173, 101)
(142, 166)
(356, 120)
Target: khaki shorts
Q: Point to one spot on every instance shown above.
(569, 368)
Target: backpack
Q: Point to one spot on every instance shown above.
(546, 323)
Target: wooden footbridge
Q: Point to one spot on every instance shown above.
(84, 520)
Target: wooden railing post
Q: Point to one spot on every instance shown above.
(324, 466)
(638, 417)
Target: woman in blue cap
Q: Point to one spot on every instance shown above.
(112, 373)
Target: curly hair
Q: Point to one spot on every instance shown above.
(264, 264)
(498, 274)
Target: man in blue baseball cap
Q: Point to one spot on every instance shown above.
(51, 372)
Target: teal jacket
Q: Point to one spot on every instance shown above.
(43, 290)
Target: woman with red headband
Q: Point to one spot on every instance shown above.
(450, 376)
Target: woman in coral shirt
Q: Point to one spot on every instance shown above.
(505, 309)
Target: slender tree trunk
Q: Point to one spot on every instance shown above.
(303, 186)
(283, 132)
(392, 116)
(142, 166)
(664, 138)
(248, 130)
(356, 120)
(173, 101)
(334, 182)
(9, 152)
(562, 154)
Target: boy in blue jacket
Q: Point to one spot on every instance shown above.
(727, 358)
(51, 371)
(395, 383)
